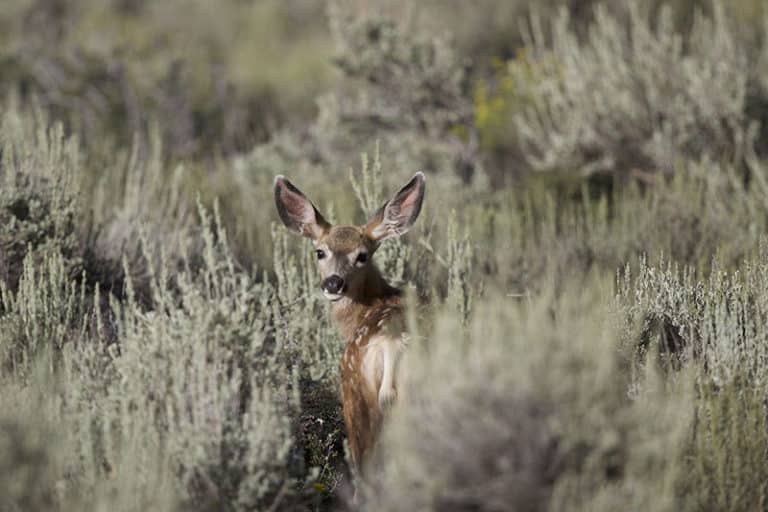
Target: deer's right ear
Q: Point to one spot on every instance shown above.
(399, 213)
(297, 212)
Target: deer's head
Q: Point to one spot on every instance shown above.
(345, 253)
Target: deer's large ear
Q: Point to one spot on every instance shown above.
(399, 213)
(297, 212)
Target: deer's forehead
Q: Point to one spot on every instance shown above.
(344, 238)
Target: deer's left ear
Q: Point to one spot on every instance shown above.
(297, 212)
(398, 214)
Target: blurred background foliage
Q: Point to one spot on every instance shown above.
(592, 248)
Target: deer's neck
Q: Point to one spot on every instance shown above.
(349, 312)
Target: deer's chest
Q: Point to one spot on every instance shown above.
(364, 363)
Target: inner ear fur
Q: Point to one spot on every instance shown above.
(398, 214)
(297, 212)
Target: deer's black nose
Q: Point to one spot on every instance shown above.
(333, 284)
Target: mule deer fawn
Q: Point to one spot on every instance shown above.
(367, 310)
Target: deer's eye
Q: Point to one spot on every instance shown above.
(320, 254)
(362, 258)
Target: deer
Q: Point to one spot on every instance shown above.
(367, 310)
